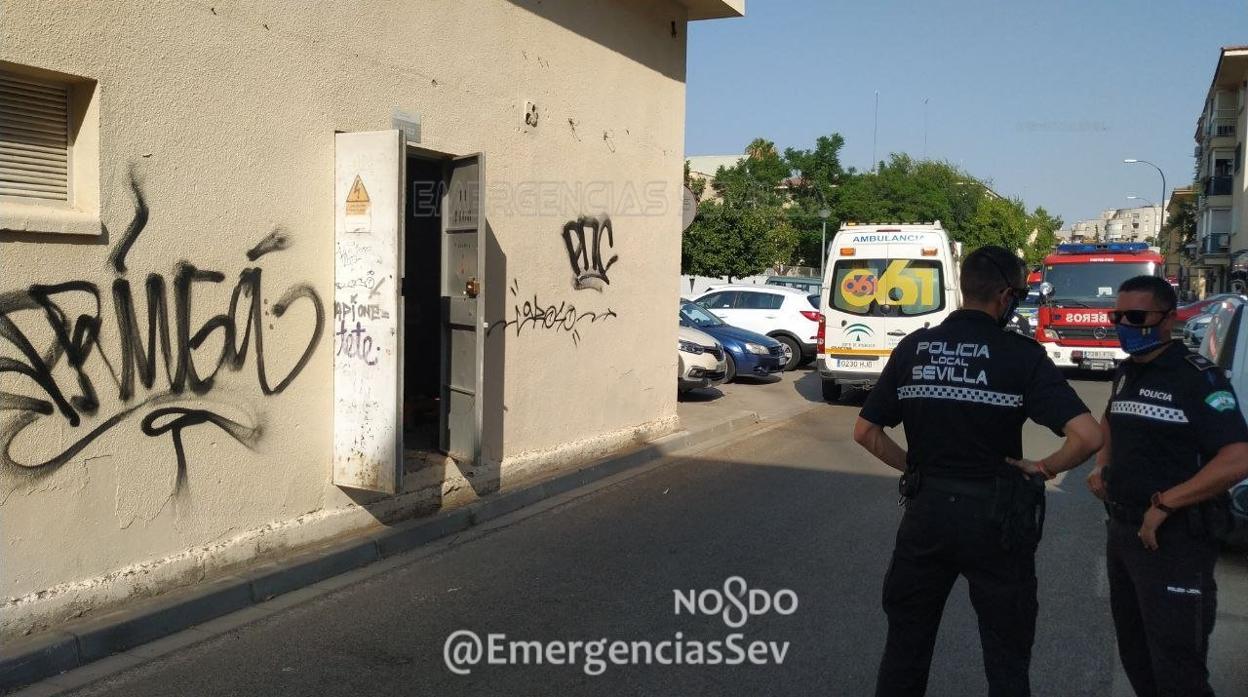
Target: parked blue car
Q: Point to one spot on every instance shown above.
(746, 353)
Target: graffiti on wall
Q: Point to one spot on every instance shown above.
(590, 246)
(351, 339)
(532, 314)
(159, 354)
(583, 239)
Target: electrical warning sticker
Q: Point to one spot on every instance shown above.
(359, 216)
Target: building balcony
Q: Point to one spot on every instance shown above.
(1220, 185)
(1218, 128)
(1216, 243)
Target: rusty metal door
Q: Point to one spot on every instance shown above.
(368, 309)
(463, 336)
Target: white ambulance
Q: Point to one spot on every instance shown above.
(880, 283)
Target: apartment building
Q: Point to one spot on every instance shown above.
(1219, 155)
(1141, 224)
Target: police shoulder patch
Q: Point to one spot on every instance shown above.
(1222, 400)
(1200, 362)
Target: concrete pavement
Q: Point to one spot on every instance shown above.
(139, 628)
(773, 398)
(794, 505)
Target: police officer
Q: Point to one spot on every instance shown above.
(1175, 442)
(963, 390)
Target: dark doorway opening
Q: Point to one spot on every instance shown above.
(422, 313)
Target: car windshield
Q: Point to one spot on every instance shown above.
(887, 287)
(692, 313)
(1091, 283)
(813, 298)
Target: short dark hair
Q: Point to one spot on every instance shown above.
(1161, 289)
(988, 270)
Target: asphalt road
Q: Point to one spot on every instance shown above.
(790, 506)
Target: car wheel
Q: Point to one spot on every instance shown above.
(730, 372)
(792, 352)
(831, 391)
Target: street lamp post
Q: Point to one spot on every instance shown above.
(824, 213)
(1133, 161)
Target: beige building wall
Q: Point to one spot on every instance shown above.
(223, 114)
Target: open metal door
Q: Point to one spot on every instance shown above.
(368, 309)
(463, 335)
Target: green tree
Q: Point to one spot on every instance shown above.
(755, 179)
(733, 240)
(697, 186)
(1043, 236)
(1181, 223)
(997, 221)
(819, 173)
(819, 170)
(908, 190)
(902, 190)
(746, 230)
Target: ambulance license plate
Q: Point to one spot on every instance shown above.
(846, 363)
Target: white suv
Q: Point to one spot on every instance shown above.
(785, 314)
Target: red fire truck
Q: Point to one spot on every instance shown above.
(1079, 288)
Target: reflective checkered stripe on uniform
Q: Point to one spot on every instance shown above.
(960, 394)
(1149, 411)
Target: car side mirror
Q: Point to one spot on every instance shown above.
(1046, 291)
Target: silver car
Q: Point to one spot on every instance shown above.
(1196, 327)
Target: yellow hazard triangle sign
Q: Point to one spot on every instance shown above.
(358, 216)
(357, 198)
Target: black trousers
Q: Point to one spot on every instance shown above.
(1164, 604)
(941, 537)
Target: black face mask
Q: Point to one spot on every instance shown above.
(1016, 295)
(1004, 319)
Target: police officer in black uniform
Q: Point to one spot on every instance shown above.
(974, 508)
(1175, 441)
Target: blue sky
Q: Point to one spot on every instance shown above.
(1043, 98)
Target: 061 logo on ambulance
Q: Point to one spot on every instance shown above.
(900, 284)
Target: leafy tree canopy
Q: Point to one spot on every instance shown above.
(1182, 220)
(766, 208)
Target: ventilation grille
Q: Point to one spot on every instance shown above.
(34, 138)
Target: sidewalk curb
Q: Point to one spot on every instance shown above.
(80, 643)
